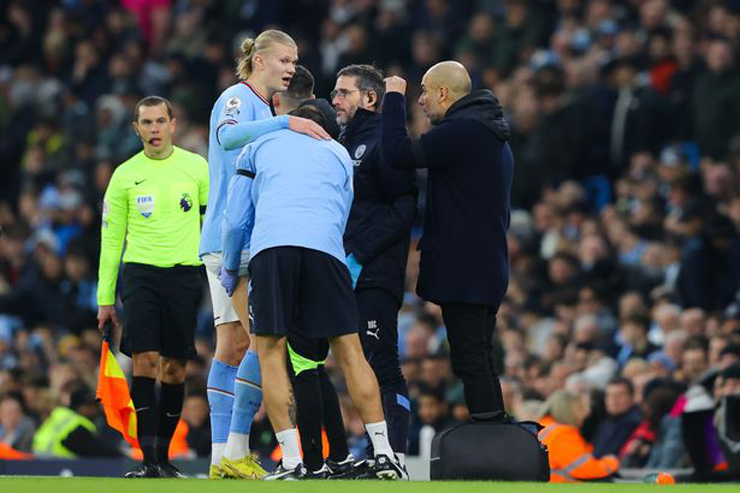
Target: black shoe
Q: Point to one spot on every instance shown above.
(362, 469)
(144, 470)
(389, 468)
(168, 470)
(337, 470)
(322, 473)
(282, 474)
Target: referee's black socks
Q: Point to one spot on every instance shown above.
(170, 407)
(307, 391)
(145, 402)
(332, 418)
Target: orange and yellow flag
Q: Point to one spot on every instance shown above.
(9, 453)
(114, 396)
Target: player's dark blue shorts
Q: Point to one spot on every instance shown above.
(302, 290)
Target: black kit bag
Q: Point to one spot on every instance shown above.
(490, 452)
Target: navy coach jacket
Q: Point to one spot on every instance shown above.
(379, 224)
(464, 254)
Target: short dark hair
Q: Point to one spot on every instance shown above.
(624, 382)
(310, 113)
(566, 257)
(697, 343)
(369, 78)
(321, 112)
(301, 84)
(639, 320)
(152, 101)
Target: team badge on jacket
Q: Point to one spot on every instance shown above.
(359, 152)
(145, 205)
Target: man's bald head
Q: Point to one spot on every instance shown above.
(442, 85)
(452, 75)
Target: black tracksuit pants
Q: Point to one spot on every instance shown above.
(379, 335)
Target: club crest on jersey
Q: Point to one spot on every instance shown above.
(186, 203)
(145, 205)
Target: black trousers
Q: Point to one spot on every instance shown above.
(470, 333)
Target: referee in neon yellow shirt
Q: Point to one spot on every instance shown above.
(154, 205)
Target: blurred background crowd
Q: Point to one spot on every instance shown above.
(625, 231)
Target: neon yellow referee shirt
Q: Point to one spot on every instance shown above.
(154, 206)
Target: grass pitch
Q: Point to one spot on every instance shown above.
(119, 485)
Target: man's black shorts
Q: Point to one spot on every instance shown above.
(160, 309)
(294, 288)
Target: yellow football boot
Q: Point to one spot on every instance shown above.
(215, 472)
(246, 468)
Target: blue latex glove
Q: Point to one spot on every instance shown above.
(229, 279)
(355, 268)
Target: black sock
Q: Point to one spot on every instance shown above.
(145, 402)
(309, 410)
(170, 408)
(332, 418)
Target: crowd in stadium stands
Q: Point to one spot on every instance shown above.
(625, 226)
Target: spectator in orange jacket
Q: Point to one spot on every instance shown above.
(571, 457)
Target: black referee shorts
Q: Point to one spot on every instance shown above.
(160, 309)
(303, 290)
(308, 348)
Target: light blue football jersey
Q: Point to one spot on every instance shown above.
(299, 195)
(238, 104)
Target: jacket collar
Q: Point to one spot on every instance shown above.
(484, 107)
(363, 121)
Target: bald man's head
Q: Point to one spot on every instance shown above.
(452, 75)
(442, 85)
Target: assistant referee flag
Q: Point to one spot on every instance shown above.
(114, 396)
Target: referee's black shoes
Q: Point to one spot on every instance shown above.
(168, 470)
(362, 469)
(144, 470)
(341, 469)
(282, 474)
(322, 473)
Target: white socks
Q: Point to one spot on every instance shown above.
(217, 451)
(379, 436)
(289, 443)
(237, 446)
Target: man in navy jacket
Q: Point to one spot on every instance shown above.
(377, 237)
(464, 264)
